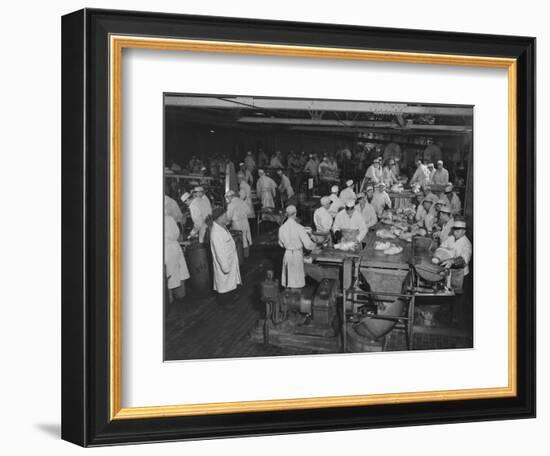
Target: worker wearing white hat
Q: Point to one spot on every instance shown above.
(350, 219)
(446, 221)
(366, 209)
(336, 203)
(453, 200)
(380, 199)
(348, 193)
(249, 162)
(285, 187)
(293, 238)
(199, 208)
(426, 216)
(374, 172)
(322, 218)
(237, 215)
(266, 189)
(246, 173)
(440, 175)
(461, 249)
(421, 176)
(431, 171)
(245, 193)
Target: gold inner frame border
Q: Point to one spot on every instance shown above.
(116, 46)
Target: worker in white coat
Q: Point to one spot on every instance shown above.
(421, 176)
(285, 187)
(440, 176)
(225, 260)
(348, 193)
(322, 218)
(237, 215)
(349, 219)
(461, 282)
(380, 199)
(374, 172)
(427, 216)
(266, 189)
(174, 261)
(293, 238)
(199, 207)
(446, 222)
(249, 162)
(453, 200)
(172, 209)
(245, 193)
(366, 210)
(336, 203)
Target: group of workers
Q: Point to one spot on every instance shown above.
(358, 206)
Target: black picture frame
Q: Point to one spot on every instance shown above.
(85, 227)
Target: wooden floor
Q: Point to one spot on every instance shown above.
(200, 328)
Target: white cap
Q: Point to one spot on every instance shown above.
(349, 183)
(185, 197)
(369, 187)
(334, 189)
(439, 162)
(325, 200)
(430, 164)
(229, 193)
(449, 188)
(291, 210)
(459, 224)
(445, 209)
(241, 164)
(261, 171)
(380, 184)
(198, 189)
(350, 203)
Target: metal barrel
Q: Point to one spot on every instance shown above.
(199, 265)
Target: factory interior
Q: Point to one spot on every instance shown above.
(402, 284)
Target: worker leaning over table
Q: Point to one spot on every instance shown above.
(285, 187)
(322, 218)
(227, 275)
(237, 215)
(453, 201)
(446, 221)
(199, 207)
(293, 238)
(349, 219)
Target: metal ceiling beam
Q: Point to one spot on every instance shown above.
(339, 124)
(314, 105)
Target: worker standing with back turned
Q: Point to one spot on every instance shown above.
(293, 238)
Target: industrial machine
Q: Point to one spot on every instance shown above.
(295, 319)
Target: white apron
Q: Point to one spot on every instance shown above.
(225, 260)
(176, 267)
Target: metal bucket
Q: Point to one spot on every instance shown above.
(200, 268)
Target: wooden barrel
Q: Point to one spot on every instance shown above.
(238, 238)
(200, 268)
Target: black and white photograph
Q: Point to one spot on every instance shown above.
(316, 226)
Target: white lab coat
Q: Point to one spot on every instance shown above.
(355, 222)
(225, 260)
(293, 237)
(245, 193)
(374, 174)
(172, 209)
(440, 177)
(312, 167)
(453, 202)
(199, 209)
(323, 220)
(388, 177)
(285, 187)
(176, 267)
(462, 248)
(250, 163)
(421, 176)
(266, 189)
(347, 194)
(335, 205)
(379, 201)
(368, 213)
(237, 214)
